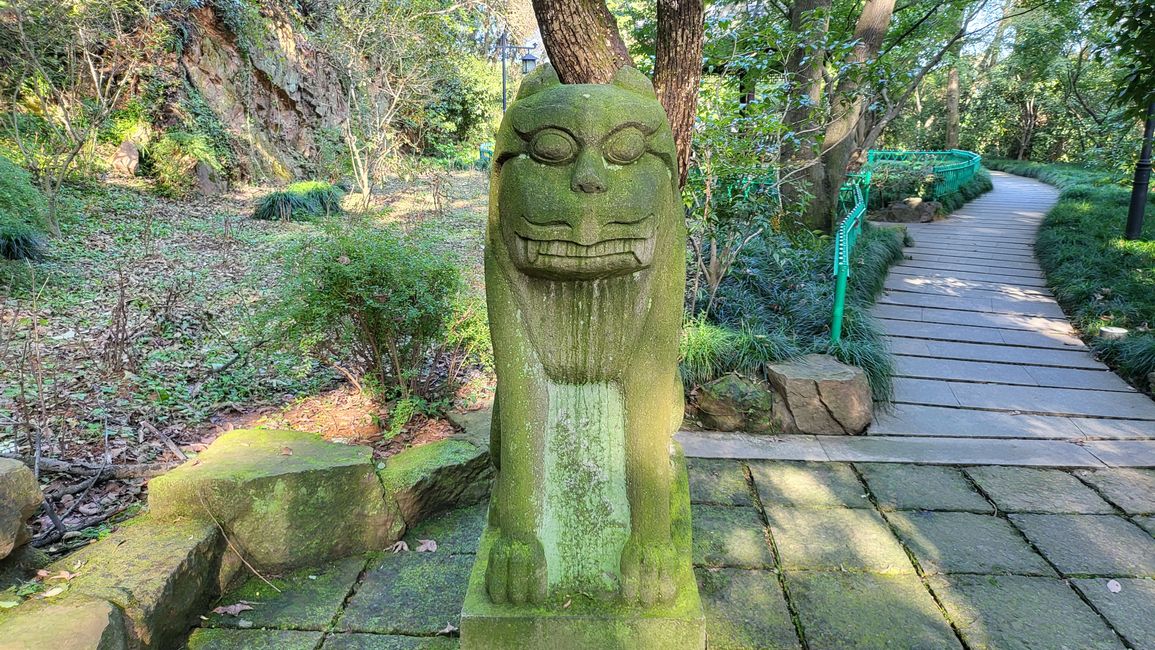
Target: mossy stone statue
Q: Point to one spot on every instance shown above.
(588, 539)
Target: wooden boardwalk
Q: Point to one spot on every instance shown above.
(982, 348)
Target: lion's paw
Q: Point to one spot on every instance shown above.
(516, 572)
(649, 572)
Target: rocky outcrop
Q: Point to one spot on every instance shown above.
(735, 403)
(820, 395)
(20, 496)
(77, 624)
(126, 160)
(271, 89)
(911, 210)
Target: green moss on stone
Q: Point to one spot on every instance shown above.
(809, 484)
(719, 482)
(408, 593)
(289, 499)
(61, 624)
(456, 532)
(221, 639)
(436, 476)
(745, 610)
(308, 599)
(730, 537)
(387, 642)
(838, 539)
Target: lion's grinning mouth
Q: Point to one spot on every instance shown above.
(534, 249)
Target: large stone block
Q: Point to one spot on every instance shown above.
(20, 496)
(74, 624)
(821, 395)
(437, 476)
(286, 499)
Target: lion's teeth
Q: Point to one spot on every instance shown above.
(531, 250)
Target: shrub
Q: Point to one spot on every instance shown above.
(389, 309)
(21, 214)
(172, 158)
(777, 304)
(300, 201)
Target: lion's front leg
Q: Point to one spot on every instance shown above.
(649, 560)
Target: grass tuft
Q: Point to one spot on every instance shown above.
(299, 202)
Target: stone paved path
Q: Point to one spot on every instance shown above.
(802, 555)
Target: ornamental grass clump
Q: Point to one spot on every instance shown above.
(299, 202)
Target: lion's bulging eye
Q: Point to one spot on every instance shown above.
(552, 146)
(625, 146)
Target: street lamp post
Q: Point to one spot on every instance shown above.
(1142, 180)
(528, 61)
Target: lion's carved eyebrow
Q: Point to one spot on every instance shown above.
(527, 130)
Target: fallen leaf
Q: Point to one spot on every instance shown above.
(450, 628)
(399, 546)
(286, 451)
(244, 624)
(234, 609)
(8, 604)
(427, 546)
(55, 591)
(568, 602)
(1114, 587)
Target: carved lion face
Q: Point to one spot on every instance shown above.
(586, 174)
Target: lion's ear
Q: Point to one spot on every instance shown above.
(543, 77)
(629, 78)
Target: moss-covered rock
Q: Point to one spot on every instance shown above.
(20, 496)
(74, 624)
(437, 476)
(735, 403)
(21, 565)
(161, 574)
(286, 499)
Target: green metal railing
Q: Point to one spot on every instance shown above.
(952, 169)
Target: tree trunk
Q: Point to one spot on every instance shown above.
(584, 46)
(804, 95)
(582, 39)
(678, 69)
(952, 117)
(846, 108)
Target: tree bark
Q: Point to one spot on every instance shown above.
(678, 70)
(846, 108)
(952, 117)
(585, 46)
(803, 97)
(582, 39)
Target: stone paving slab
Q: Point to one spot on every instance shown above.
(718, 482)
(224, 639)
(387, 642)
(921, 487)
(808, 485)
(714, 444)
(972, 334)
(996, 353)
(839, 539)
(456, 531)
(1132, 490)
(976, 276)
(955, 451)
(309, 599)
(1100, 428)
(1062, 401)
(965, 542)
(924, 391)
(939, 258)
(845, 611)
(745, 610)
(1131, 611)
(1024, 489)
(914, 264)
(726, 536)
(919, 420)
(1103, 545)
(965, 289)
(1124, 453)
(977, 319)
(1003, 373)
(383, 603)
(1146, 523)
(1021, 613)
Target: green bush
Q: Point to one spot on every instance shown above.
(172, 158)
(362, 299)
(777, 304)
(21, 214)
(1097, 276)
(300, 201)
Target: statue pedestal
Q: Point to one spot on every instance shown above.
(589, 624)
